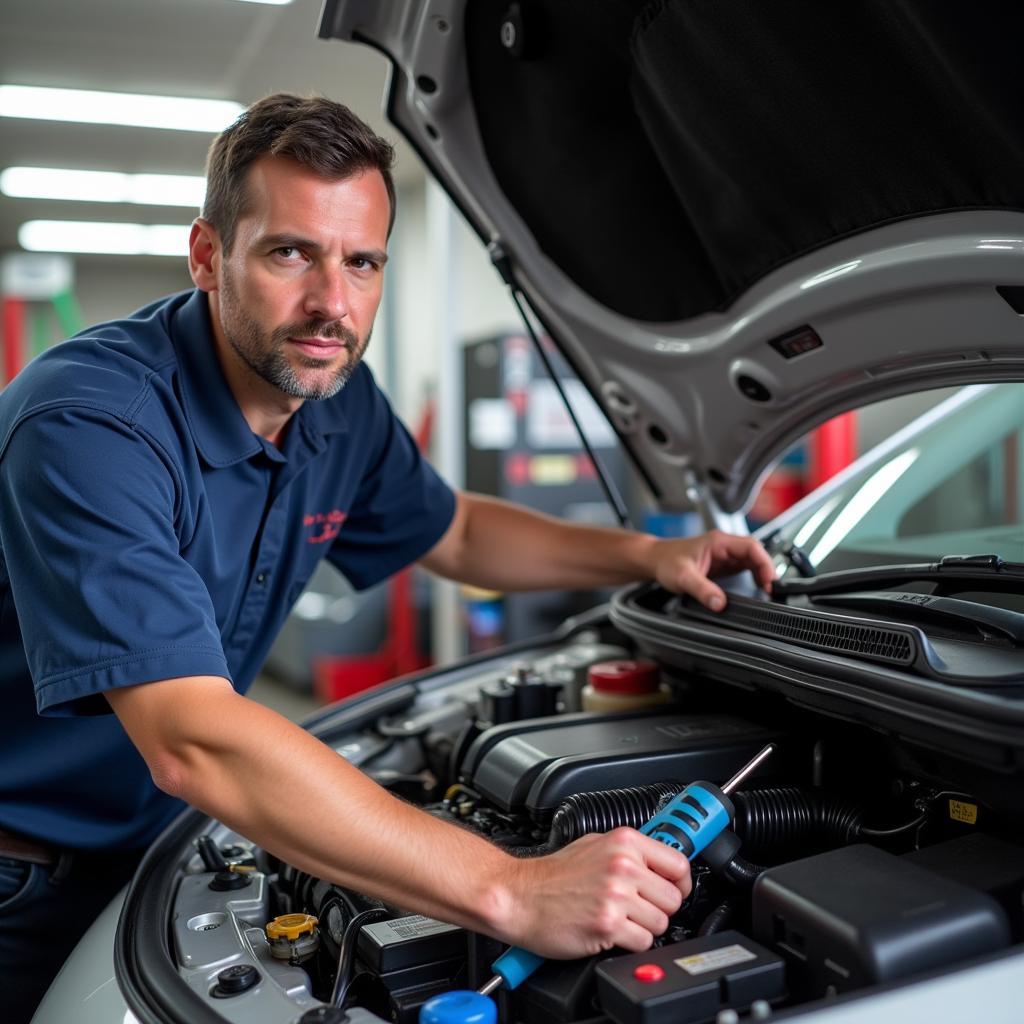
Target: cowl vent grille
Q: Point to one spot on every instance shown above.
(887, 644)
(761, 633)
(818, 630)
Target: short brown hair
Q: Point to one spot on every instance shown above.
(317, 132)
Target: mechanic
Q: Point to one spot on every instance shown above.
(170, 482)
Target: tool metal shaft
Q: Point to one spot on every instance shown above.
(487, 989)
(748, 768)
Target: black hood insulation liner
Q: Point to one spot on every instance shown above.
(668, 155)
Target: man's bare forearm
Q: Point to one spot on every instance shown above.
(277, 785)
(495, 544)
(503, 546)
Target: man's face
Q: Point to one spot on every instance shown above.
(300, 288)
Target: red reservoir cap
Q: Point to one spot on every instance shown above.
(639, 676)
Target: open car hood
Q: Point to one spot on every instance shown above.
(735, 220)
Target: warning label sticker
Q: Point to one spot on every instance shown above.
(413, 927)
(713, 959)
(960, 810)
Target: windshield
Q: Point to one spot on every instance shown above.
(950, 484)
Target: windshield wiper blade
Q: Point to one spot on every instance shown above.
(990, 570)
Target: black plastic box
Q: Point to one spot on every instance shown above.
(700, 977)
(409, 942)
(858, 916)
(983, 862)
(534, 765)
(561, 990)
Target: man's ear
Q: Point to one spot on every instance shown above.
(204, 254)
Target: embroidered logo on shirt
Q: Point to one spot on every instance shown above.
(325, 525)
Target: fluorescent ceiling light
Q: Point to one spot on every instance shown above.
(96, 237)
(175, 112)
(276, 3)
(103, 186)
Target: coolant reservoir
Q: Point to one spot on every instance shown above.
(293, 937)
(623, 686)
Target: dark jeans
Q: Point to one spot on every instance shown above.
(44, 911)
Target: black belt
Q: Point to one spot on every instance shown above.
(30, 850)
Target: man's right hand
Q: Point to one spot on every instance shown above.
(617, 889)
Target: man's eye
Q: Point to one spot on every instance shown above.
(287, 252)
(362, 263)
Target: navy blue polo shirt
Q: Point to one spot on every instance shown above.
(147, 533)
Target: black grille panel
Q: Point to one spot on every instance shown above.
(826, 634)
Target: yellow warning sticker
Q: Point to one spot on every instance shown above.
(959, 810)
(715, 959)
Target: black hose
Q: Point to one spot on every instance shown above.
(765, 818)
(583, 813)
(770, 818)
(718, 920)
(773, 818)
(881, 833)
(742, 872)
(347, 951)
(769, 821)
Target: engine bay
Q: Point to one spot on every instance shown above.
(854, 859)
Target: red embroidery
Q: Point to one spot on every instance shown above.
(330, 523)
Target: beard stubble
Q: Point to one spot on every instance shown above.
(265, 353)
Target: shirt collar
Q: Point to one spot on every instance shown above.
(219, 429)
(327, 416)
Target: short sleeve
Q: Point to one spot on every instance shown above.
(104, 598)
(402, 507)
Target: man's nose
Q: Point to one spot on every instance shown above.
(327, 295)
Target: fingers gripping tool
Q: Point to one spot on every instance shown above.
(689, 823)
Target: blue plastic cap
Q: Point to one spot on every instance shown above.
(515, 965)
(459, 1007)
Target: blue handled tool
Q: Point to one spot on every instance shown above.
(689, 823)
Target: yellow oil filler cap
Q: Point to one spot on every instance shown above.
(293, 937)
(291, 926)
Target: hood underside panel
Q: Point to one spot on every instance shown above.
(746, 133)
(735, 220)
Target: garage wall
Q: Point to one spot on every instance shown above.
(110, 287)
(481, 302)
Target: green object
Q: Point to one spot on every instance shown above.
(68, 313)
(40, 337)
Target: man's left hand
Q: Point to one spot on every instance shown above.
(685, 565)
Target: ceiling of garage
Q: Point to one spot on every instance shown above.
(220, 49)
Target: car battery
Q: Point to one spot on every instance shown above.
(690, 982)
(859, 916)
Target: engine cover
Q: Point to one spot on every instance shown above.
(533, 765)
